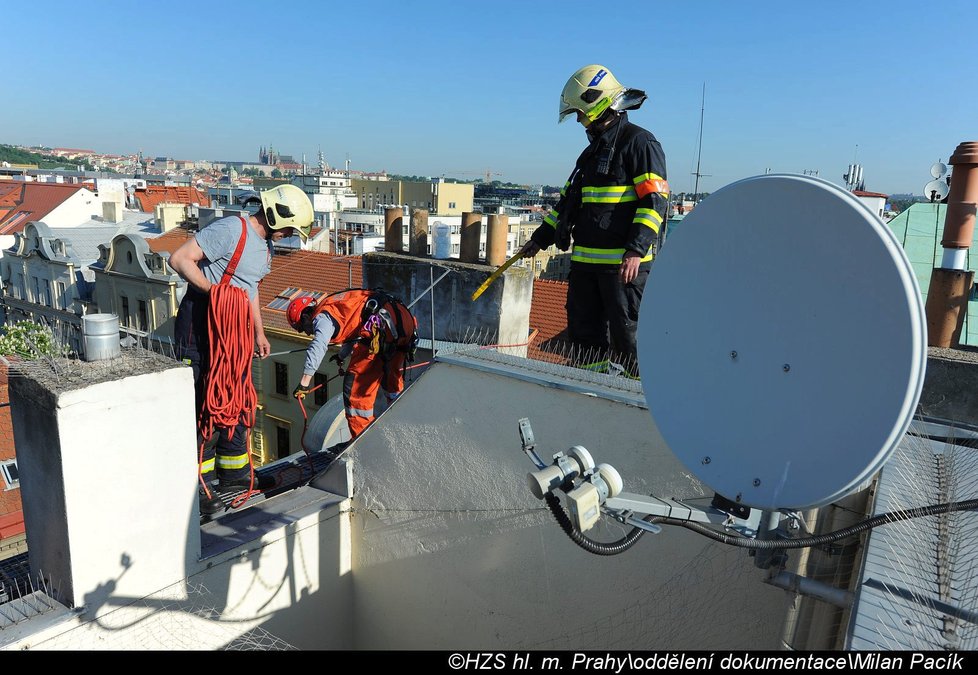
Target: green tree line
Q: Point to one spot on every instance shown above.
(9, 153)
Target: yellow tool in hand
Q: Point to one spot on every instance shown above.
(495, 275)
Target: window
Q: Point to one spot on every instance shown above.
(62, 300)
(283, 440)
(282, 379)
(10, 476)
(36, 286)
(142, 318)
(319, 396)
(46, 293)
(282, 300)
(451, 205)
(124, 312)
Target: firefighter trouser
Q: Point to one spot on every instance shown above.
(366, 374)
(229, 456)
(599, 306)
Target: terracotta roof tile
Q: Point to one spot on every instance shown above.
(548, 316)
(24, 202)
(310, 271)
(11, 516)
(173, 194)
(169, 241)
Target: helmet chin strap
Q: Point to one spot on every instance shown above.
(595, 128)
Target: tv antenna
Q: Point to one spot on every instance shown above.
(937, 189)
(699, 148)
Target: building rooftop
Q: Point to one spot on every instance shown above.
(153, 195)
(22, 202)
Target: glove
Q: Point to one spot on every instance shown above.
(300, 392)
(338, 360)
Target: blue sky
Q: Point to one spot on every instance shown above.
(458, 88)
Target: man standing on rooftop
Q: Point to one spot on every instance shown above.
(235, 251)
(611, 207)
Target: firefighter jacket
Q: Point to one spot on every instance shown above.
(614, 200)
(370, 316)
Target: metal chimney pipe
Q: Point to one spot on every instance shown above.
(959, 223)
(950, 284)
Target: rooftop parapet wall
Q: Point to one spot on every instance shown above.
(453, 552)
(502, 311)
(951, 385)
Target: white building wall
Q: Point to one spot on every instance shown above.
(76, 210)
(875, 204)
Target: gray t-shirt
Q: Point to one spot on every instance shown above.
(218, 242)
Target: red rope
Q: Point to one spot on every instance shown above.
(229, 398)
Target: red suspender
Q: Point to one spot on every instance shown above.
(229, 272)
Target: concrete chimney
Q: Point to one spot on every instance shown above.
(108, 477)
(496, 236)
(470, 237)
(393, 229)
(419, 233)
(112, 212)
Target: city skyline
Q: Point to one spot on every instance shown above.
(435, 88)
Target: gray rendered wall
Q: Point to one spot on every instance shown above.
(451, 551)
(502, 311)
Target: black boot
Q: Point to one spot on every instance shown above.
(262, 483)
(209, 505)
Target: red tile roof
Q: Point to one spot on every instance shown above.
(864, 193)
(310, 271)
(173, 194)
(11, 516)
(21, 202)
(548, 316)
(169, 241)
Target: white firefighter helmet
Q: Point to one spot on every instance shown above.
(592, 90)
(287, 206)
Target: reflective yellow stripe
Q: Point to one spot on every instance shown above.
(232, 461)
(563, 190)
(551, 218)
(603, 256)
(599, 256)
(647, 176)
(207, 466)
(608, 194)
(649, 218)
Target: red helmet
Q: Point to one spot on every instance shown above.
(294, 312)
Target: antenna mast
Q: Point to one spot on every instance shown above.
(699, 149)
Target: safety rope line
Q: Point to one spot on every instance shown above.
(305, 416)
(230, 396)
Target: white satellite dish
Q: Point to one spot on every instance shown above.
(328, 426)
(938, 187)
(938, 169)
(782, 342)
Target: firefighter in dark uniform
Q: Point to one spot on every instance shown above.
(611, 209)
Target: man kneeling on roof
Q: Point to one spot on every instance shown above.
(374, 329)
